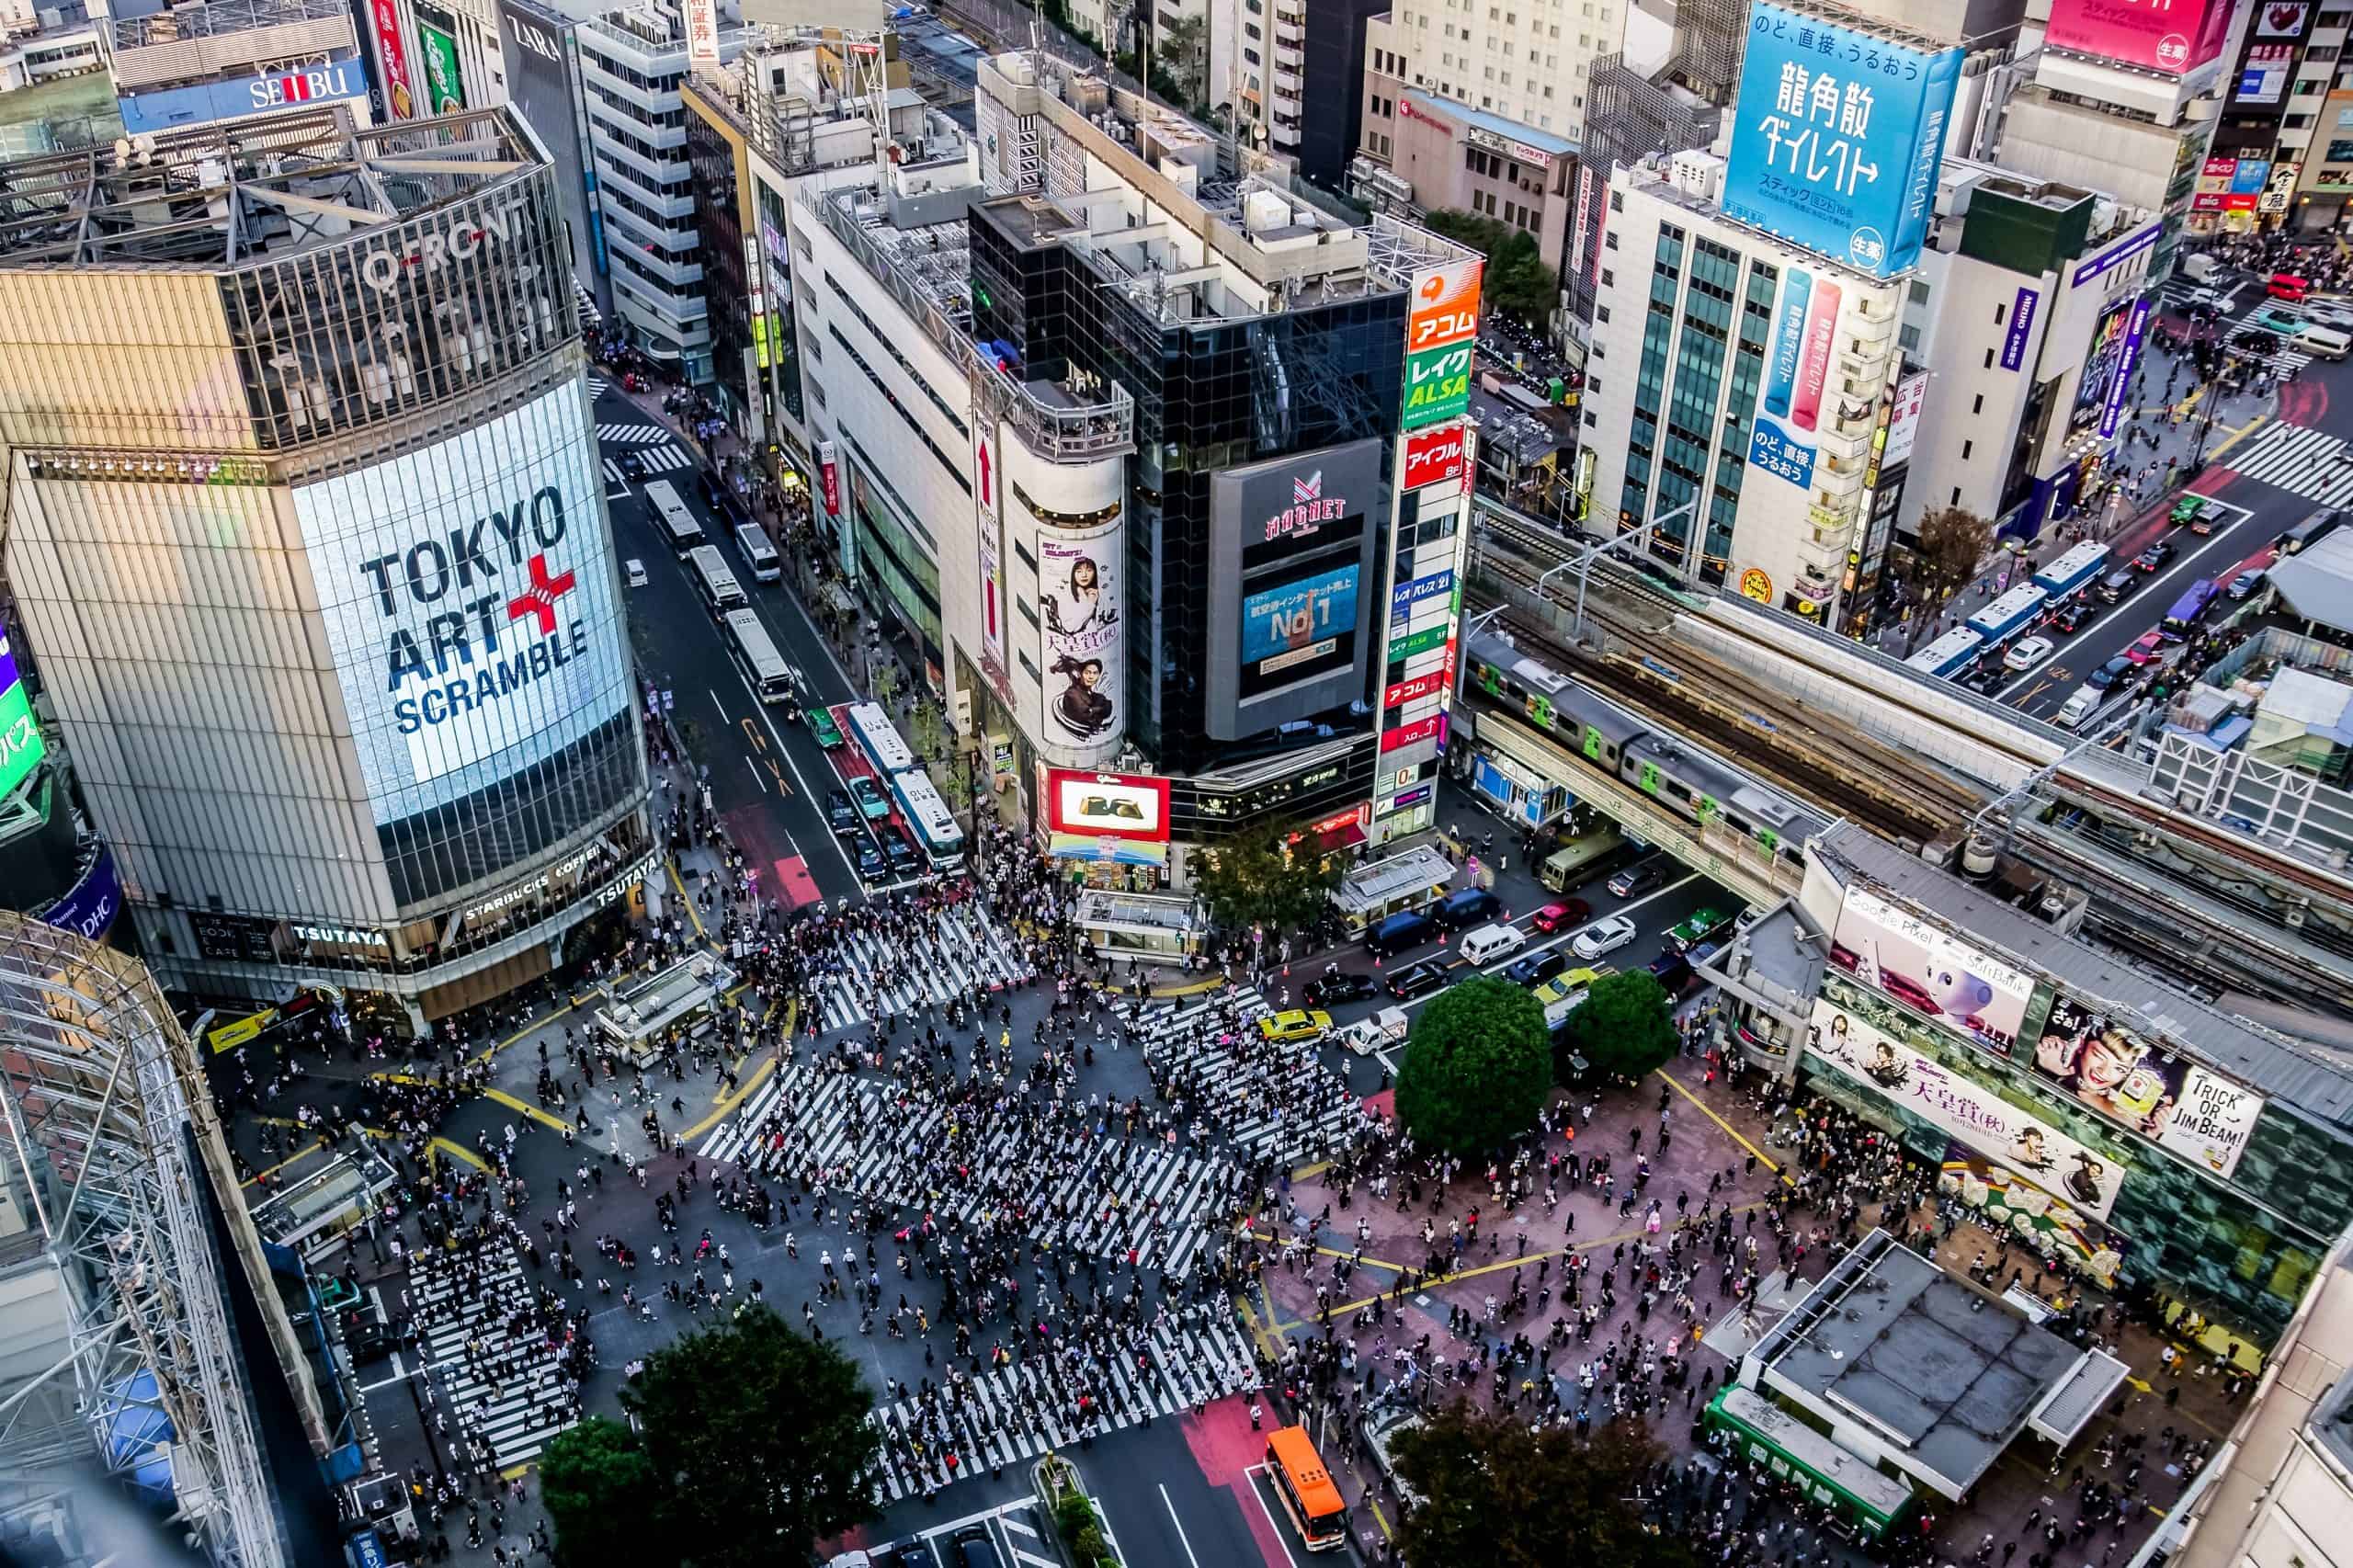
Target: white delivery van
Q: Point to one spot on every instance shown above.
(1489, 943)
(2200, 268)
(2079, 706)
(2322, 342)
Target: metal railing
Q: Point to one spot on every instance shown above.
(221, 18)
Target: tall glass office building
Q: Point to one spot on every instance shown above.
(307, 530)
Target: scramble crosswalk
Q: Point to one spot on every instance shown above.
(1103, 1195)
(2275, 353)
(963, 948)
(1289, 1113)
(1014, 1413)
(2297, 459)
(507, 1397)
(659, 460)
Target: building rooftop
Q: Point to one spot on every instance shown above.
(221, 195)
(1550, 143)
(2316, 582)
(1942, 1372)
(2310, 1078)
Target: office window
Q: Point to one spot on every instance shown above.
(1977, 405)
(1967, 447)
(1989, 358)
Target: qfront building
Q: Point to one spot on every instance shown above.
(305, 524)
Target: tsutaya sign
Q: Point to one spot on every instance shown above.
(385, 271)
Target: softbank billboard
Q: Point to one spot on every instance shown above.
(333, 82)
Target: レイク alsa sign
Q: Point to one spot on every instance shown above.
(1837, 139)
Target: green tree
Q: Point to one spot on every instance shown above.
(1624, 1027)
(764, 1437)
(1260, 877)
(603, 1498)
(1477, 1067)
(1517, 283)
(1501, 1496)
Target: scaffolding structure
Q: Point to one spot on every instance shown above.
(110, 1121)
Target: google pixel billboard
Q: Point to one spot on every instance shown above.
(1837, 138)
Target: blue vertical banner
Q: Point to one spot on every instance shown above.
(1837, 137)
(2023, 313)
(2125, 364)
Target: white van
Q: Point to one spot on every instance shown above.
(2198, 268)
(2079, 706)
(758, 554)
(2322, 342)
(1489, 943)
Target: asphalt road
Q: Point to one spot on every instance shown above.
(767, 778)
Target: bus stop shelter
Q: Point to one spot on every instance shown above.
(1412, 879)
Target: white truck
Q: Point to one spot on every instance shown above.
(1382, 1029)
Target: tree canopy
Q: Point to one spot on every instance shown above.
(1259, 877)
(753, 1446)
(1952, 543)
(1517, 283)
(1495, 1494)
(1624, 1027)
(1477, 1067)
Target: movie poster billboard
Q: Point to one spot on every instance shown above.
(2065, 1173)
(2181, 1106)
(1838, 136)
(1078, 592)
(1931, 970)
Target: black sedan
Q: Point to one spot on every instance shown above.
(1410, 981)
(631, 465)
(870, 866)
(841, 811)
(1535, 969)
(1334, 989)
(2108, 674)
(2156, 555)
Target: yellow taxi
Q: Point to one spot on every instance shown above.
(1297, 1024)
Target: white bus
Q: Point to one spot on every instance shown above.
(936, 832)
(678, 525)
(879, 739)
(755, 653)
(758, 554)
(721, 591)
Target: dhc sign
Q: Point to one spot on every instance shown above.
(333, 82)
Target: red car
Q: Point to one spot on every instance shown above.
(2147, 648)
(1553, 916)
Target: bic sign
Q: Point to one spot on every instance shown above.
(1437, 385)
(1433, 457)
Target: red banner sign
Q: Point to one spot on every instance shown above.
(1409, 734)
(1419, 686)
(1434, 456)
(829, 478)
(399, 96)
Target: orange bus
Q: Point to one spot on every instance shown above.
(1310, 1495)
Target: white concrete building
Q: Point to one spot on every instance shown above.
(1759, 331)
(1526, 59)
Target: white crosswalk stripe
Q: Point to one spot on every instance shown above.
(597, 385)
(663, 459)
(515, 1405)
(613, 474)
(1014, 1413)
(1278, 1101)
(2307, 462)
(1103, 1194)
(2280, 359)
(963, 947)
(641, 433)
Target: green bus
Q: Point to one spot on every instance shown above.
(1868, 1501)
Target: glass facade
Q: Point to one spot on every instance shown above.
(1209, 396)
(716, 166)
(2241, 1251)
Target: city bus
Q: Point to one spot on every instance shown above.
(2010, 614)
(720, 592)
(2187, 610)
(2071, 571)
(1308, 1494)
(935, 829)
(755, 653)
(677, 525)
(878, 738)
(1948, 654)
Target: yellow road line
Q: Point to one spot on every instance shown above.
(726, 1102)
(459, 1152)
(1763, 1158)
(311, 1147)
(2237, 436)
(692, 912)
(545, 1119)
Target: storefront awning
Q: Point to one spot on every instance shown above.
(1346, 835)
(1116, 851)
(2070, 1405)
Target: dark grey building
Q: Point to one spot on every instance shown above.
(1335, 53)
(543, 80)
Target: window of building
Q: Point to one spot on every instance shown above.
(1617, 202)
(1989, 358)
(1602, 314)
(1909, 337)
(1967, 447)
(1608, 239)
(1608, 277)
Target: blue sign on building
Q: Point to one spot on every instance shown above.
(1837, 139)
(206, 101)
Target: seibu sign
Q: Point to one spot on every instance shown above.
(1434, 456)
